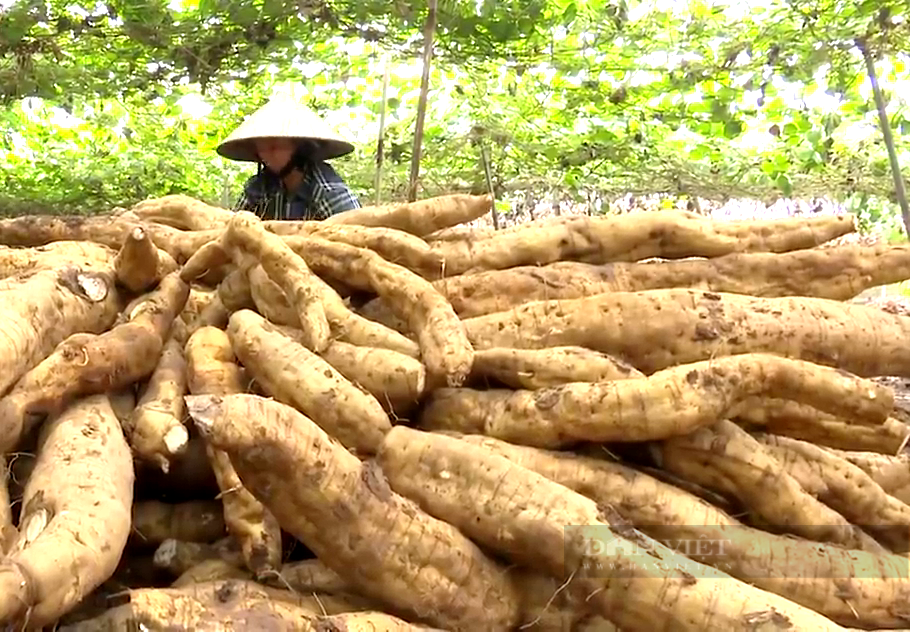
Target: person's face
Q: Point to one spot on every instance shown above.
(274, 152)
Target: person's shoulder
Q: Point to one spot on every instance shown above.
(256, 184)
(329, 190)
(325, 172)
(256, 188)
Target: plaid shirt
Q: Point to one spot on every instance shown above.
(321, 194)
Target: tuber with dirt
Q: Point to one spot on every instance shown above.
(399, 419)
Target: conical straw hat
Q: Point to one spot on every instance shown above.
(284, 117)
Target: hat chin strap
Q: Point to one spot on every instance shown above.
(285, 171)
(288, 168)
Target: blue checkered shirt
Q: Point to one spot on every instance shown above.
(321, 194)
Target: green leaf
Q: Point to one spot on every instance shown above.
(698, 152)
(705, 128)
(831, 121)
(784, 184)
(733, 128)
(603, 135)
(806, 153)
(775, 107)
(727, 94)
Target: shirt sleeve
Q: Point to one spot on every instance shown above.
(330, 193)
(249, 197)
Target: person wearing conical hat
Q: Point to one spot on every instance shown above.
(290, 144)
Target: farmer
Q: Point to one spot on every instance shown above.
(290, 145)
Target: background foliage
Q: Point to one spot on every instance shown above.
(584, 101)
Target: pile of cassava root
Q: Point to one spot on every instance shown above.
(391, 421)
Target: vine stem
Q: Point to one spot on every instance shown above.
(899, 190)
(429, 32)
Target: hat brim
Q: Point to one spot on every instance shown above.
(244, 149)
(283, 117)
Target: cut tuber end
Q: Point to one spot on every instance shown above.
(165, 553)
(34, 526)
(176, 439)
(203, 409)
(137, 309)
(93, 286)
